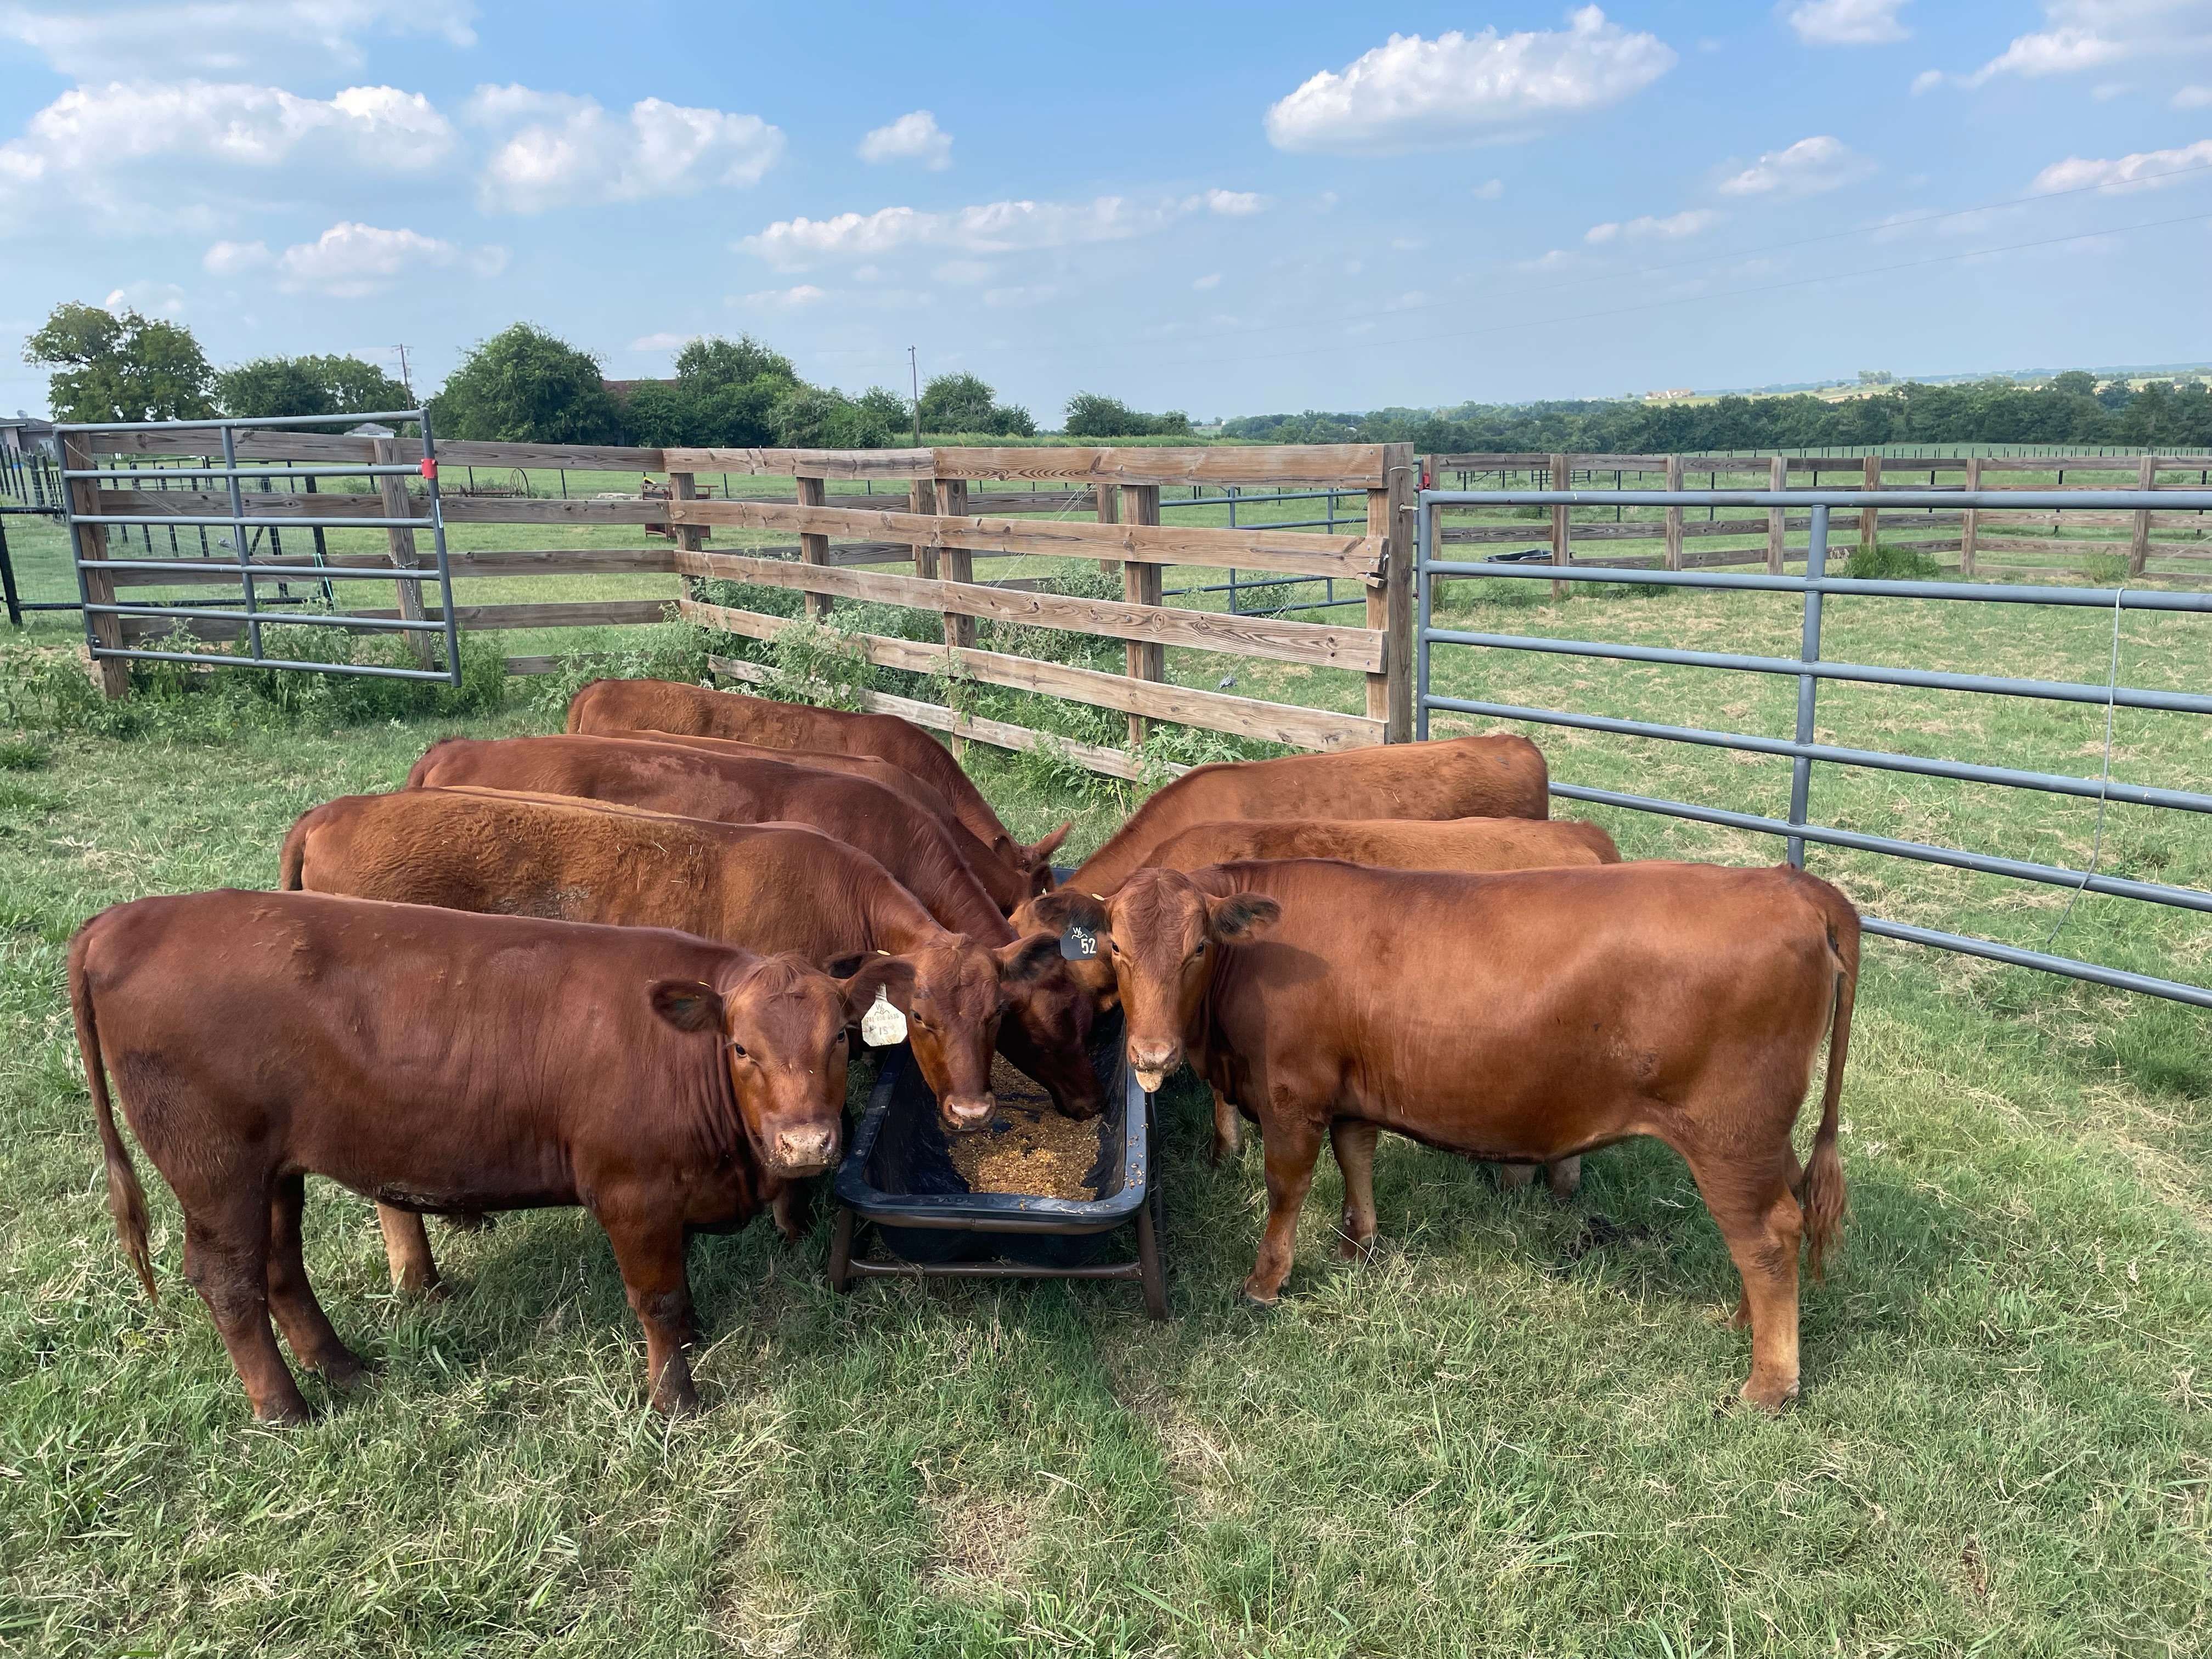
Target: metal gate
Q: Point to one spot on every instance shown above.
(240, 523)
(1809, 670)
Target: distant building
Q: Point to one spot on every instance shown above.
(26, 434)
(1673, 394)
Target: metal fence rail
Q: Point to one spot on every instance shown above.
(240, 522)
(1809, 670)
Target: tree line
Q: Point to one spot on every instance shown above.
(524, 385)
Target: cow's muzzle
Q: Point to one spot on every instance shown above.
(967, 1112)
(802, 1152)
(1153, 1062)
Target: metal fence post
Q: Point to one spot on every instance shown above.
(239, 544)
(1809, 685)
(7, 581)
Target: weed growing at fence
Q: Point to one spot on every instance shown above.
(1885, 562)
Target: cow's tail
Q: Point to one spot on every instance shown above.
(1821, 1193)
(294, 857)
(126, 1199)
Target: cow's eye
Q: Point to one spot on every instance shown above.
(1199, 952)
(739, 1050)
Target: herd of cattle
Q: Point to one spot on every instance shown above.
(620, 968)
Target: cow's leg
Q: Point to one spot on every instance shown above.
(1564, 1177)
(1291, 1144)
(1514, 1177)
(227, 1261)
(1354, 1143)
(315, 1344)
(1759, 1218)
(407, 1249)
(1228, 1136)
(791, 1208)
(649, 1251)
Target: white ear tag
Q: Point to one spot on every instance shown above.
(883, 1025)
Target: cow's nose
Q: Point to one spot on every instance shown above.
(1152, 1061)
(804, 1151)
(969, 1111)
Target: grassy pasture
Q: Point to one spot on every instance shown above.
(1505, 1434)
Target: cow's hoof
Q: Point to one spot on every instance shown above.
(1258, 1304)
(283, 1415)
(1353, 1248)
(347, 1375)
(1769, 1396)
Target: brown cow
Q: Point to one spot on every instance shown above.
(770, 888)
(610, 707)
(1492, 777)
(692, 783)
(444, 1061)
(1523, 1017)
(1396, 844)
(874, 768)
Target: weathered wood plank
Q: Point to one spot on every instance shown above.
(1323, 644)
(562, 561)
(471, 619)
(1140, 587)
(807, 463)
(1000, 734)
(1401, 475)
(494, 510)
(1286, 551)
(1351, 465)
(257, 504)
(276, 444)
(1304, 728)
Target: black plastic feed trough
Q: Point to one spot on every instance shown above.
(899, 1176)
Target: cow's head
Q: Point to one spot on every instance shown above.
(783, 1023)
(1162, 932)
(960, 997)
(1093, 976)
(1032, 863)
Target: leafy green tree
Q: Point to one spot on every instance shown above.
(525, 386)
(120, 366)
(308, 386)
(1092, 416)
(967, 403)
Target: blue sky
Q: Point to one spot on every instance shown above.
(1222, 208)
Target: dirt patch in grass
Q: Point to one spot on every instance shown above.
(980, 1542)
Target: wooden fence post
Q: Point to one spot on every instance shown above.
(1562, 547)
(1140, 584)
(1401, 479)
(921, 497)
(958, 563)
(1674, 531)
(1109, 511)
(689, 537)
(391, 496)
(113, 672)
(2139, 543)
(1777, 479)
(1970, 521)
(814, 550)
(1869, 519)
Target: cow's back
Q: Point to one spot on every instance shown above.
(1470, 844)
(608, 707)
(1499, 777)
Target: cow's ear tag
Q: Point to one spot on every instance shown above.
(883, 1025)
(1079, 943)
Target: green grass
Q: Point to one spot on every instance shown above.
(1506, 1434)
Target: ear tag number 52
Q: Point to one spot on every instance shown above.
(1079, 943)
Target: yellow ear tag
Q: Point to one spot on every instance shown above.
(883, 1025)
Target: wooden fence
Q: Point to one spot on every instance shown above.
(1968, 534)
(942, 526)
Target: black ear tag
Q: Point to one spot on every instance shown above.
(1079, 943)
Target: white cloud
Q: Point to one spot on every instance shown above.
(1927, 81)
(1211, 279)
(160, 299)
(662, 341)
(1806, 168)
(2138, 172)
(91, 128)
(1848, 22)
(229, 259)
(2084, 34)
(2192, 98)
(224, 38)
(570, 149)
(914, 136)
(1673, 228)
(1412, 93)
(988, 228)
(1490, 189)
(785, 298)
(351, 260)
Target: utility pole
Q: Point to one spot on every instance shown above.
(405, 379)
(913, 372)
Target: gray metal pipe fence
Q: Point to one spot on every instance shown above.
(1809, 670)
(242, 525)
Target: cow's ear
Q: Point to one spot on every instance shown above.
(1027, 959)
(1065, 907)
(688, 1005)
(1241, 916)
(1040, 852)
(893, 975)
